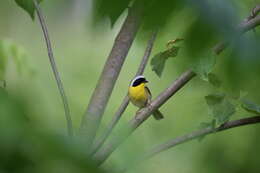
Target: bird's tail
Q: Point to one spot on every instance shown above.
(157, 115)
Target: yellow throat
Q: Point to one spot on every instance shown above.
(138, 95)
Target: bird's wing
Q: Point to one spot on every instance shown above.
(149, 93)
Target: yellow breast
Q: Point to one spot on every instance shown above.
(138, 95)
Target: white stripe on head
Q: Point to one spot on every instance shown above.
(137, 77)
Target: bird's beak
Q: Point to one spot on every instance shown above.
(146, 81)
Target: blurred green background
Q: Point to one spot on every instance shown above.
(81, 49)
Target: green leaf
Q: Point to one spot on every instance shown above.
(158, 63)
(203, 66)
(8, 50)
(204, 125)
(251, 107)
(220, 107)
(3, 60)
(214, 80)
(159, 60)
(210, 124)
(20, 58)
(151, 11)
(214, 99)
(28, 6)
(112, 9)
(242, 95)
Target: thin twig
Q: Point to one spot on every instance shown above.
(112, 124)
(125, 102)
(54, 67)
(254, 13)
(100, 97)
(147, 54)
(106, 151)
(188, 137)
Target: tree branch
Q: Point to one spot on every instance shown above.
(100, 97)
(147, 54)
(140, 117)
(106, 151)
(249, 23)
(197, 134)
(54, 67)
(125, 102)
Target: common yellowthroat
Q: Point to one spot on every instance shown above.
(140, 95)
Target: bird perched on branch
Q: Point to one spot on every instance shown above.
(140, 95)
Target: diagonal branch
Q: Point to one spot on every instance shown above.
(194, 135)
(140, 117)
(54, 67)
(107, 150)
(249, 23)
(125, 102)
(100, 97)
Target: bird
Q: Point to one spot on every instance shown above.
(140, 95)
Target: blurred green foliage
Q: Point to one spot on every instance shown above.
(113, 9)
(11, 52)
(152, 10)
(27, 147)
(214, 80)
(203, 66)
(251, 107)
(3, 60)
